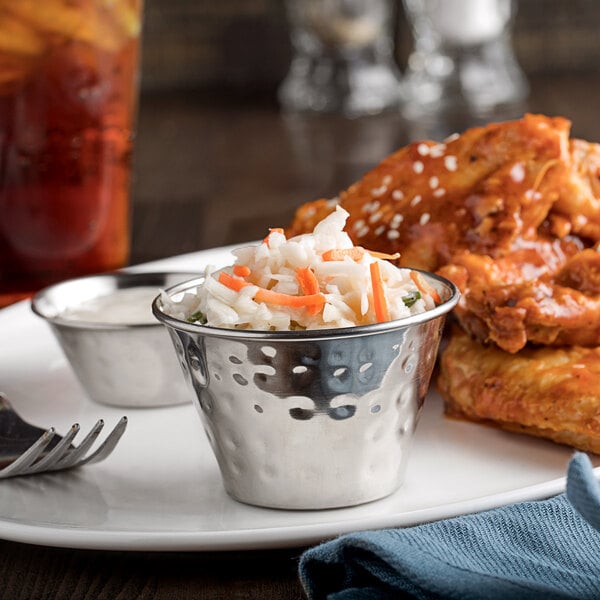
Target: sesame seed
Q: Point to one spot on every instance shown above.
(396, 220)
(386, 180)
(397, 195)
(450, 162)
(359, 224)
(362, 232)
(433, 182)
(375, 217)
(423, 149)
(379, 230)
(415, 200)
(532, 195)
(439, 192)
(376, 192)
(424, 218)
(579, 366)
(517, 173)
(392, 234)
(451, 138)
(371, 206)
(437, 150)
(418, 166)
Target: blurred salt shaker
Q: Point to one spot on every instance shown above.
(343, 57)
(468, 22)
(463, 69)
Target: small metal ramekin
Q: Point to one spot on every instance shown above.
(117, 364)
(311, 419)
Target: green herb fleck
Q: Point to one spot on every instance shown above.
(411, 298)
(197, 317)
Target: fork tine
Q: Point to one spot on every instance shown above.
(4, 403)
(55, 455)
(50, 451)
(29, 456)
(107, 446)
(72, 456)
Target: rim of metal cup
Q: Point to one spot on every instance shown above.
(123, 280)
(308, 334)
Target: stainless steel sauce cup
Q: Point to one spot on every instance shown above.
(119, 364)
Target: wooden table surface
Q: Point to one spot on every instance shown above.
(215, 171)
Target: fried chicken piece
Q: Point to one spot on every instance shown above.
(533, 312)
(579, 201)
(546, 392)
(582, 272)
(481, 192)
(546, 293)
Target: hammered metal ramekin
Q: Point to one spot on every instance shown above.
(311, 419)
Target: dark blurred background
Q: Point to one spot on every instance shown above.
(216, 161)
(242, 46)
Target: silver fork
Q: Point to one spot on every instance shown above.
(26, 449)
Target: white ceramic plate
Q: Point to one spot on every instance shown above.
(161, 488)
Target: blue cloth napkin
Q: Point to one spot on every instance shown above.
(547, 549)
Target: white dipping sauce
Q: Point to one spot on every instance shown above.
(130, 306)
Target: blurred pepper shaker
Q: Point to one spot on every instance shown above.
(68, 98)
(343, 57)
(463, 67)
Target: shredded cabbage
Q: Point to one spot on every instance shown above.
(345, 285)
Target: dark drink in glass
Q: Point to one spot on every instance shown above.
(68, 97)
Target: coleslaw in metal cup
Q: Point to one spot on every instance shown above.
(310, 419)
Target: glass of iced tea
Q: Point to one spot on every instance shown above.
(68, 98)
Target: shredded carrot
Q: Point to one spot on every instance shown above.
(232, 283)
(355, 253)
(271, 297)
(307, 280)
(309, 285)
(272, 230)
(383, 255)
(424, 287)
(382, 313)
(241, 270)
